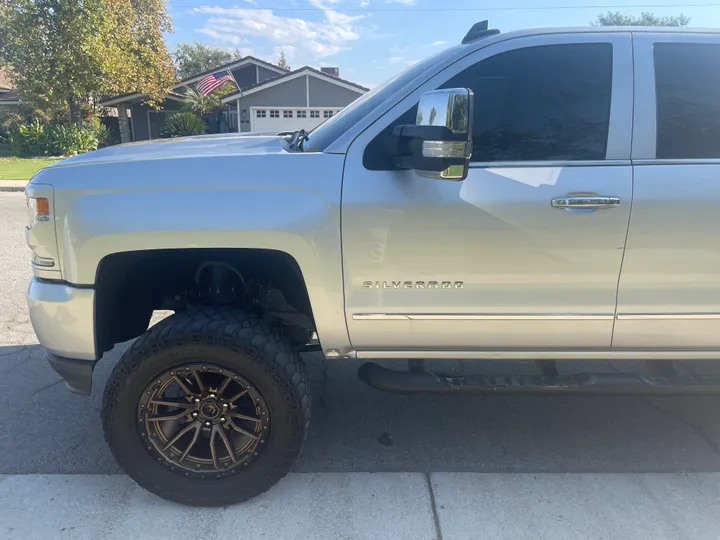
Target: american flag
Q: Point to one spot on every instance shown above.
(206, 85)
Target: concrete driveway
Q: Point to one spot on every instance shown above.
(375, 466)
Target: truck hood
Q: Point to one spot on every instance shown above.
(226, 144)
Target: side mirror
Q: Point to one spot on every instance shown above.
(439, 144)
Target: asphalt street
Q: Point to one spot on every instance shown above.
(47, 431)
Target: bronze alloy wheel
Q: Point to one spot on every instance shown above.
(203, 421)
(208, 407)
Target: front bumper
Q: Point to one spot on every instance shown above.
(63, 319)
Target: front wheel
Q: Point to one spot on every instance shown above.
(207, 409)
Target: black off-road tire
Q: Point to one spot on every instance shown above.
(223, 337)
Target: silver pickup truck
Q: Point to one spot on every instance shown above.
(536, 195)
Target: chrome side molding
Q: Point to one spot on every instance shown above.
(530, 316)
(665, 316)
(481, 317)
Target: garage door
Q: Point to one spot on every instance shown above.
(276, 120)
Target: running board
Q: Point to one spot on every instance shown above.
(414, 382)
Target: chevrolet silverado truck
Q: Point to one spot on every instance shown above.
(535, 195)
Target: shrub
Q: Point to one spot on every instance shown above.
(10, 119)
(183, 124)
(31, 139)
(102, 133)
(37, 139)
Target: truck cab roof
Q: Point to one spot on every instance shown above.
(607, 29)
(481, 31)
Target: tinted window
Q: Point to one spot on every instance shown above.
(687, 79)
(541, 103)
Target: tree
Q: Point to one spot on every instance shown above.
(66, 55)
(645, 19)
(193, 58)
(282, 62)
(433, 115)
(4, 21)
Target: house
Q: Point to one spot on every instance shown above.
(270, 98)
(8, 95)
(299, 99)
(147, 122)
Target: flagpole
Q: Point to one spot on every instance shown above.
(233, 78)
(237, 101)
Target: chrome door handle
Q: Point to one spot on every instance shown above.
(585, 202)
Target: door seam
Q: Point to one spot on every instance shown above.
(632, 193)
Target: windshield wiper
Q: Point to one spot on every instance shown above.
(297, 140)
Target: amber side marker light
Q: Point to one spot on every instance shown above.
(38, 210)
(42, 207)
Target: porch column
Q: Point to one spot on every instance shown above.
(123, 124)
(237, 105)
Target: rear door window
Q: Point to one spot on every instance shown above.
(687, 86)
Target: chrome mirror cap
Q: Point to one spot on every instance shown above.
(451, 108)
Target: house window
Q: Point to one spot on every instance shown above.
(274, 114)
(328, 114)
(287, 114)
(260, 113)
(301, 114)
(314, 114)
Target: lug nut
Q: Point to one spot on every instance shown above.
(222, 418)
(194, 414)
(212, 395)
(197, 400)
(207, 424)
(225, 405)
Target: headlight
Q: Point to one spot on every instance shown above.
(38, 210)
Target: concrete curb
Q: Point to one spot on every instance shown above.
(12, 185)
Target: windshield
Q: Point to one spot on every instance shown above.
(321, 137)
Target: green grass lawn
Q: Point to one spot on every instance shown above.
(14, 168)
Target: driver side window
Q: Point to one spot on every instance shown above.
(541, 103)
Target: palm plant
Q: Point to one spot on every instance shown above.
(183, 124)
(199, 104)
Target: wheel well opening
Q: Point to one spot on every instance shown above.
(131, 285)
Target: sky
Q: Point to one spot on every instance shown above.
(373, 40)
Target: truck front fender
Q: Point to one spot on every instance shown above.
(293, 209)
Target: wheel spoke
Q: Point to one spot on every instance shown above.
(201, 386)
(216, 464)
(224, 386)
(227, 444)
(243, 417)
(241, 430)
(238, 396)
(180, 433)
(178, 404)
(162, 418)
(184, 387)
(198, 428)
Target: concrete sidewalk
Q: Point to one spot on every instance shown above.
(13, 185)
(380, 506)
